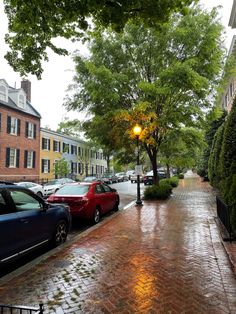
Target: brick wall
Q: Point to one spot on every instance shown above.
(19, 142)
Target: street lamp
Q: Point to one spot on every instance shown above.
(137, 131)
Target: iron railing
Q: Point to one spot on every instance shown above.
(223, 213)
(18, 309)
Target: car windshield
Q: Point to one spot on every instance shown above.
(53, 182)
(73, 190)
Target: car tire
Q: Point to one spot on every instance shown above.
(116, 207)
(60, 233)
(96, 215)
(39, 194)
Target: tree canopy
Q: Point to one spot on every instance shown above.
(32, 27)
(159, 77)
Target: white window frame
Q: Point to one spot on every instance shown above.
(45, 166)
(14, 126)
(47, 143)
(30, 130)
(3, 93)
(12, 158)
(57, 146)
(21, 101)
(30, 157)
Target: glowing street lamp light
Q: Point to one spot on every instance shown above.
(137, 131)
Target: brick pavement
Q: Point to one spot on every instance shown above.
(165, 257)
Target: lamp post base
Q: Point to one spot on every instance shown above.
(139, 202)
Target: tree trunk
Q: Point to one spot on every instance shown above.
(168, 170)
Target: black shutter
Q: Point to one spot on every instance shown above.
(34, 157)
(48, 166)
(17, 158)
(43, 143)
(54, 145)
(18, 126)
(59, 146)
(49, 142)
(8, 124)
(35, 129)
(26, 129)
(25, 158)
(7, 156)
(42, 166)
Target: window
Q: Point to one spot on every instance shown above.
(45, 143)
(29, 159)
(30, 130)
(74, 167)
(3, 206)
(65, 148)
(73, 150)
(106, 188)
(24, 201)
(12, 157)
(3, 93)
(21, 101)
(56, 146)
(99, 189)
(45, 166)
(13, 125)
(80, 168)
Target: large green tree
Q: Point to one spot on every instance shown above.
(158, 77)
(34, 25)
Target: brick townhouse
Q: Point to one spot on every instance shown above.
(19, 134)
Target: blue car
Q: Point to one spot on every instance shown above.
(27, 222)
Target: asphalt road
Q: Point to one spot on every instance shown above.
(127, 192)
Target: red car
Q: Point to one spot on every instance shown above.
(87, 200)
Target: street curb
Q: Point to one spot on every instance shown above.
(43, 257)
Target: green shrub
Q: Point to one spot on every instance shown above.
(173, 181)
(161, 191)
(181, 176)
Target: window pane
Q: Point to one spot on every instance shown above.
(24, 201)
(73, 190)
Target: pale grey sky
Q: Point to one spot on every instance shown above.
(48, 94)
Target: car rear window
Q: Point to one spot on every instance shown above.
(73, 190)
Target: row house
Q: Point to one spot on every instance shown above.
(82, 160)
(19, 134)
(228, 95)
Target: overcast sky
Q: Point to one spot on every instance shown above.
(47, 94)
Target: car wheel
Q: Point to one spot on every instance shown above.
(60, 233)
(96, 216)
(40, 194)
(116, 207)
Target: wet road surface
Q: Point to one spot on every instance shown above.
(164, 257)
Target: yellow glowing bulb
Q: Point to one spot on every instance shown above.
(137, 130)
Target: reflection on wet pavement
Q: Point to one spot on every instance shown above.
(164, 257)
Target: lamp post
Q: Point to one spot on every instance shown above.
(137, 131)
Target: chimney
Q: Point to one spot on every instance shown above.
(26, 86)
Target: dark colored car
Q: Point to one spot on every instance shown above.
(27, 222)
(88, 200)
(109, 178)
(121, 176)
(148, 178)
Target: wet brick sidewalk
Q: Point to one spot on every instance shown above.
(165, 257)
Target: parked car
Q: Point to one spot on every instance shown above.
(133, 178)
(121, 176)
(129, 173)
(88, 200)
(53, 185)
(109, 178)
(36, 188)
(27, 222)
(90, 179)
(148, 178)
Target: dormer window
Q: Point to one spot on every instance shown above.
(3, 93)
(21, 101)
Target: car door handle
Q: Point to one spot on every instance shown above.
(24, 220)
